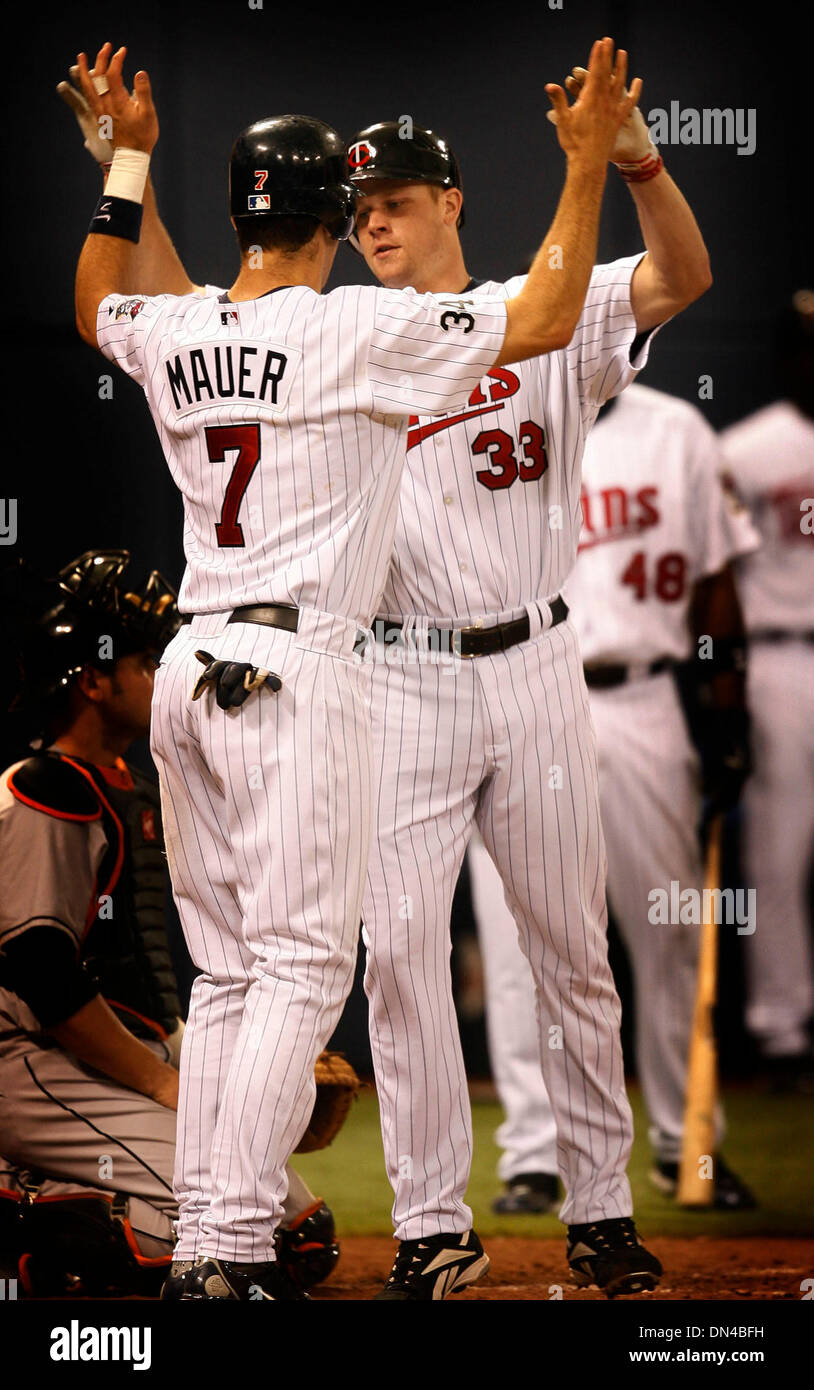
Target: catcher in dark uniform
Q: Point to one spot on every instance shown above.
(90, 1027)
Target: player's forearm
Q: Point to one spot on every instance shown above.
(104, 268)
(544, 315)
(156, 267)
(97, 1038)
(678, 255)
(716, 614)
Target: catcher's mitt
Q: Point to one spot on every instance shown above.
(337, 1086)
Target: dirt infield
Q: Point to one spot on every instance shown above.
(736, 1269)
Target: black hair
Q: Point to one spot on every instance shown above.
(276, 232)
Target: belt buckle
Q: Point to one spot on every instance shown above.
(457, 633)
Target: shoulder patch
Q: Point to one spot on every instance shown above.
(55, 786)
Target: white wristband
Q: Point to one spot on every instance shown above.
(128, 174)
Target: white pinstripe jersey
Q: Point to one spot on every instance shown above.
(490, 497)
(283, 422)
(656, 518)
(771, 458)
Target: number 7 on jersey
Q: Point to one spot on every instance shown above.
(220, 440)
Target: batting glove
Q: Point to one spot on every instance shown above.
(95, 144)
(234, 681)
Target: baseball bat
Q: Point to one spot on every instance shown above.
(696, 1177)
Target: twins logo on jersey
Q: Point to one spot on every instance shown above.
(615, 513)
(503, 385)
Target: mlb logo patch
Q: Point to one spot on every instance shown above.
(229, 317)
(259, 202)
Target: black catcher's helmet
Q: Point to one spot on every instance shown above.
(292, 166)
(404, 151)
(87, 616)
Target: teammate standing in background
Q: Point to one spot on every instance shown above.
(487, 533)
(771, 458)
(282, 415)
(652, 587)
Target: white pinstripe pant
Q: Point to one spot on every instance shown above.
(506, 741)
(649, 798)
(267, 823)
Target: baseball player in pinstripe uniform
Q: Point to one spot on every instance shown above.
(652, 584)
(90, 1026)
(771, 458)
(283, 415)
(486, 536)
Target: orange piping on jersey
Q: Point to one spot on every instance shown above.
(117, 867)
(118, 775)
(49, 810)
(150, 1023)
(146, 1261)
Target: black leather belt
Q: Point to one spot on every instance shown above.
(604, 677)
(282, 615)
(473, 641)
(780, 634)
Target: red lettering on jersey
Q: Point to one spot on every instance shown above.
(615, 503)
(612, 513)
(503, 384)
(649, 515)
(787, 504)
(148, 829)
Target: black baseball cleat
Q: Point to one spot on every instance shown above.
(730, 1193)
(433, 1268)
(529, 1193)
(176, 1280)
(610, 1255)
(306, 1248)
(213, 1278)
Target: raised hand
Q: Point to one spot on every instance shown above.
(633, 141)
(590, 128)
(135, 123)
(96, 144)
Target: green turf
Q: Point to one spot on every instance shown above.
(770, 1143)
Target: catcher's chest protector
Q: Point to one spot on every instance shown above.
(125, 947)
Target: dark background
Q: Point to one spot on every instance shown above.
(89, 472)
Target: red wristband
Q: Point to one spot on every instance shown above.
(642, 169)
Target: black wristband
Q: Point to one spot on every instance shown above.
(117, 217)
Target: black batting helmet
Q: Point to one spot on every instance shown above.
(292, 166)
(86, 617)
(405, 151)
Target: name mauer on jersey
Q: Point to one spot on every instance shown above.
(245, 371)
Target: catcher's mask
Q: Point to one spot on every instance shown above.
(87, 616)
